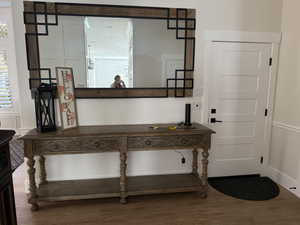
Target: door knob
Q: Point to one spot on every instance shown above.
(214, 120)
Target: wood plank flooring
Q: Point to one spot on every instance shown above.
(171, 209)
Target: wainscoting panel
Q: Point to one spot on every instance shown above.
(284, 165)
(10, 121)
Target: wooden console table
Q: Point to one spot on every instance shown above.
(116, 138)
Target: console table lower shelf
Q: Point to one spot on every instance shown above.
(110, 187)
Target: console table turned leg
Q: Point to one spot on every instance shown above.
(43, 173)
(195, 162)
(123, 178)
(205, 155)
(32, 185)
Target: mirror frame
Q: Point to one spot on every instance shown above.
(174, 17)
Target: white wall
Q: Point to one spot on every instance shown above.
(288, 90)
(285, 155)
(248, 15)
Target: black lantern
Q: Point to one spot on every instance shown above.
(44, 107)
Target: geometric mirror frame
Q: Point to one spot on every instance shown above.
(179, 19)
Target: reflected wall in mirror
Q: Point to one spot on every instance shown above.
(115, 51)
(142, 52)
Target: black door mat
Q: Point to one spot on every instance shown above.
(254, 188)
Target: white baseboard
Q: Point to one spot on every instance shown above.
(284, 180)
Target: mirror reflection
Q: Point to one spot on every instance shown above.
(113, 52)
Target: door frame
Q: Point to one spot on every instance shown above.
(272, 38)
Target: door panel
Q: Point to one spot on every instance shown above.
(238, 91)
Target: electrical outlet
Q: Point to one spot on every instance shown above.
(196, 106)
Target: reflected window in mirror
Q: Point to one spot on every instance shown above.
(107, 52)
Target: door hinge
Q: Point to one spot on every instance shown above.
(270, 61)
(261, 160)
(266, 112)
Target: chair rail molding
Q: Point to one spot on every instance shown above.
(286, 126)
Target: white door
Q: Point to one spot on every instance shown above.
(238, 83)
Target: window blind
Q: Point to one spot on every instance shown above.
(5, 93)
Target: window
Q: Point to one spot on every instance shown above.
(5, 93)
(9, 93)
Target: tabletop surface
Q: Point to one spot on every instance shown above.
(121, 130)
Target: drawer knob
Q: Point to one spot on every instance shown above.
(97, 144)
(184, 141)
(148, 142)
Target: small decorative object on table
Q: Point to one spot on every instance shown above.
(66, 94)
(44, 107)
(187, 115)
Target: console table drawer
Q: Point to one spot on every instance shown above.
(164, 141)
(100, 144)
(57, 146)
(76, 145)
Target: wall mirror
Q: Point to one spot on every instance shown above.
(115, 51)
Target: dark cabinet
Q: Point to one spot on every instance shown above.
(7, 199)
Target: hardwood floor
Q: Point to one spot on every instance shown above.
(173, 209)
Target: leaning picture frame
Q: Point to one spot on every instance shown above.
(66, 97)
